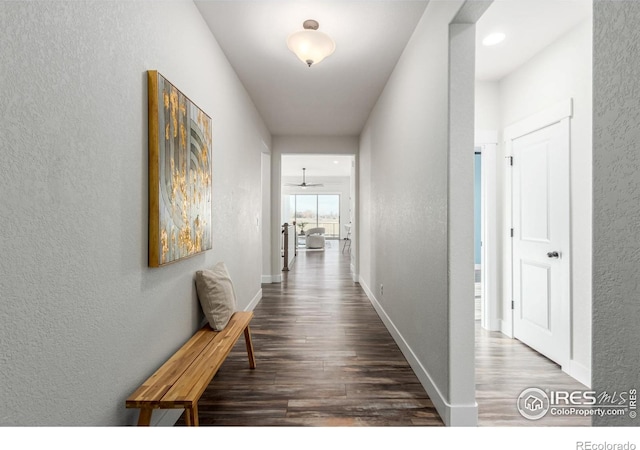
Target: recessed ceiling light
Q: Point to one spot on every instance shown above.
(336, 162)
(493, 39)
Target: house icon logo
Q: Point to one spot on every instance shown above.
(533, 403)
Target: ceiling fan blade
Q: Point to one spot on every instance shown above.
(304, 183)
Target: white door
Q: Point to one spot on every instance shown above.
(541, 316)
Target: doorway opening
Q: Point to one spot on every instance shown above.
(318, 200)
(520, 308)
(477, 231)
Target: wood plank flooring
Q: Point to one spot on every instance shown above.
(504, 368)
(324, 358)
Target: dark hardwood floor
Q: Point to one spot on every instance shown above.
(324, 358)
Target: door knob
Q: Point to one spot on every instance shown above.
(553, 254)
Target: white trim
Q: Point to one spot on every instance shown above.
(452, 415)
(578, 371)
(506, 328)
(540, 120)
(490, 302)
(254, 301)
(267, 279)
(273, 278)
(506, 324)
(560, 113)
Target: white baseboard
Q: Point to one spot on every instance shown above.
(505, 328)
(578, 371)
(269, 279)
(574, 369)
(254, 301)
(494, 325)
(452, 415)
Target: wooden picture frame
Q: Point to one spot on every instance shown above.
(180, 170)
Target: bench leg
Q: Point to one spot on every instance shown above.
(247, 340)
(144, 419)
(191, 416)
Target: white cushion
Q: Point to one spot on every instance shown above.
(217, 295)
(315, 241)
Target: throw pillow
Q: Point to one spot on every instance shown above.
(217, 295)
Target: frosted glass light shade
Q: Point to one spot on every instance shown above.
(311, 46)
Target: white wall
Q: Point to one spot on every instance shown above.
(404, 209)
(83, 319)
(321, 145)
(266, 218)
(616, 201)
(559, 72)
(487, 111)
(367, 262)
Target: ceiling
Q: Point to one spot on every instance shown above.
(530, 26)
(333, 97)
(316, 165)
(336, 96)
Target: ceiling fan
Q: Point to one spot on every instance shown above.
(304, 183)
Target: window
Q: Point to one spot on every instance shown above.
(311, 211)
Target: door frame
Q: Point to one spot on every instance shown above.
(560, 112)
(487, 142)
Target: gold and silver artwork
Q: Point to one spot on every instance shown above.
(179, 174)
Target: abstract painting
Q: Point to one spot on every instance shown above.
(179, 174)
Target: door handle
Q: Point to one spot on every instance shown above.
(553, 254)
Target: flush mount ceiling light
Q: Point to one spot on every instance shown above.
(493, 39)
(310, 45)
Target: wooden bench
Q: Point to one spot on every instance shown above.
(182, 379)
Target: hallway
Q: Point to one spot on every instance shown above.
(324, 358)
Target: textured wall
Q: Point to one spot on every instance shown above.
(83, 320)
(403, 197)
(616, 200)
(460, 220)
